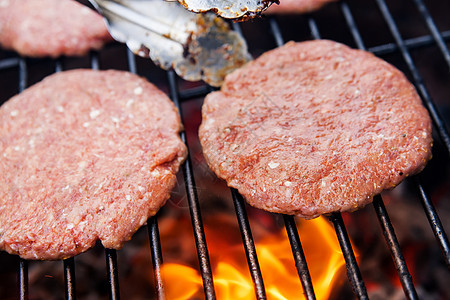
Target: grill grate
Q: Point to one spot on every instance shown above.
(249, 245)
(418, 80)
(394, 247)
(403, 47)
(194, 206)
(299, 257)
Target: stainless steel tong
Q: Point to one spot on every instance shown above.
(196, 46)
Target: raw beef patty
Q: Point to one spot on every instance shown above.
(50, 27)
(315, 127)
(296, 6)
(85, 155)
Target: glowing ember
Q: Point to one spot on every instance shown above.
(232, 278)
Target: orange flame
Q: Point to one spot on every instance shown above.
(232, 279)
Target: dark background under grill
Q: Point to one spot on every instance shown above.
(414, 40)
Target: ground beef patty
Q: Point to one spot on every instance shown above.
(85, 155)
(315, 127)
(50, 27)
(296, 6)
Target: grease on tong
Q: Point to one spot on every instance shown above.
(196, 46)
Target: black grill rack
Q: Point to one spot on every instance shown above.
(403, 47)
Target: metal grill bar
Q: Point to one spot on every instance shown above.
(439, 123)
(435, 222)
(299, 257)
(58, 65)
(69, 278)
(383, 217)
(9, 62)
(432, 216)
(291, 228)
(196, 92)
(236, 27)
(433, 29)
(249, 245)
(157, 260)
(95, 64)
(152, 223)
(297, 250)
(396, 252)
(110, 254)
(69, 264)
(276, 32)
(313, 28)
(194, 207)
(131, 61)
(353, 273)
(23, 279)
(23, 264)
(411, 43)
(23, 74)
(112, 272)
(352, 25)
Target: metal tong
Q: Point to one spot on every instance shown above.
(196, 46)
(230, 9)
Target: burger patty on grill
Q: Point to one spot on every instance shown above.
(50, 27)
(85, 155)
(296, 6)
(315, 127)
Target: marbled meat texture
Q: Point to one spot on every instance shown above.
(296, 6)
(85, 155)
(39, 28)
(315, 127)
